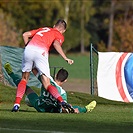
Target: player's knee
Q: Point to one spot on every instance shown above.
(25, 76)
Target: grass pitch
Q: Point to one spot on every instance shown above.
(107, 117)
(78, 70)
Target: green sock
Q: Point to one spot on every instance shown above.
(81, 109)
(15, 78)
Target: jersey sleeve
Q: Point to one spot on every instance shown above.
(59, 37)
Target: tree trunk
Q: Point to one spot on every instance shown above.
(66, 10)
(110, 40)
(82, 49)
(1, 75)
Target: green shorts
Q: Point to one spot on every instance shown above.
(33, 97)
(44, 103)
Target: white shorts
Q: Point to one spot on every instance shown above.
(37, 57)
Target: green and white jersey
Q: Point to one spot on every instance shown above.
(46, 102)
(61, 91)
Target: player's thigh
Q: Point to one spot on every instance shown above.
(42, 64)
(27, 61)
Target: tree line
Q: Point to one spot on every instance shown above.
(108, 24)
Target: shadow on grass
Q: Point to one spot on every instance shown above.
(10, 110)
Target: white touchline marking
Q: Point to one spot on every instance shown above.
(29, 130)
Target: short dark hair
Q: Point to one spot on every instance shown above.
(61, 23)
(62, 75)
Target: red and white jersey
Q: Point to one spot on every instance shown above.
(44, 37)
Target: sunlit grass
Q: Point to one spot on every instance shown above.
(107, 117)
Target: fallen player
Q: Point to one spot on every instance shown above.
(46, 102)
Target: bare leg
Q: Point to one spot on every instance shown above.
(29, 91)
(35, 71)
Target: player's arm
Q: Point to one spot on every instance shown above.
(59, 49)
(26, 37)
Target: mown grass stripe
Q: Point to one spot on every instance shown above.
(30, 130)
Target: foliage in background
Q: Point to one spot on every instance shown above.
(33, 14)
(8, 33)
(88, 22)
(123, 37)
(122, 26)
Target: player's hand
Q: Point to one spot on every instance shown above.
(67, 108)
(69, 61)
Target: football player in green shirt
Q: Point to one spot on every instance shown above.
(46, 102)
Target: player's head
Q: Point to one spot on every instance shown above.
(62, 75)
(61, 25)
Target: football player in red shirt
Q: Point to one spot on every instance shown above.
(38, 43)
